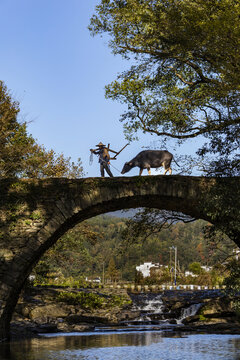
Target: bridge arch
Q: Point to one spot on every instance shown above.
(34, 214)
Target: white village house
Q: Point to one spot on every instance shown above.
(145, 268)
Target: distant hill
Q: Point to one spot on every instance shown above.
(123, 213)
(80, 253)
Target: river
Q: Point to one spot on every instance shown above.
(125, 344)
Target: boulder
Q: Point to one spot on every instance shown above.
(47, 312)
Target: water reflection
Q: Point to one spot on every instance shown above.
(124, 345)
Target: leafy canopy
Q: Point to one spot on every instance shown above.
(185, 79)
(20, 154)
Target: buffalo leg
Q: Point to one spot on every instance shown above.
(166, 169)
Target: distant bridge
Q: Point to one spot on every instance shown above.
(35, 213)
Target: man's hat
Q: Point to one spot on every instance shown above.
(100, 144)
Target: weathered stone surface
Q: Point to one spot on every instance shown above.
(49, 311)
(34, 213)
(215, 307)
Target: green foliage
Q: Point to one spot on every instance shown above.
(41, 271)
(87, 301)
(232, 283)
(112, 271)
(118, 300)
(20, 154)
(139, 279)
(90, 301)
(202, 318)
(185, 79)
(87, 250)
(163, 278)
(36, 215)
(56, 279)
(222, 204)
(195, 268)
(71, 254)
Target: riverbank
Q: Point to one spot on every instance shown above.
(53, 310)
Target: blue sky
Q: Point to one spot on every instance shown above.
(57, 72)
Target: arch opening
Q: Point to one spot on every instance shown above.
(63, 203)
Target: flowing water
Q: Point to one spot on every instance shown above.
(151, 336)
(187, 312)
(150, 307)
(152, 310)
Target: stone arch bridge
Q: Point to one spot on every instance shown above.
(35, 213)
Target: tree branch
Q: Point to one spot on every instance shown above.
(201, 131)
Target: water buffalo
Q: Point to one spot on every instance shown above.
(148, 159)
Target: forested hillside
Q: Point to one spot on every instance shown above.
(97, 248)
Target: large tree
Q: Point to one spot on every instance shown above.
(184, 81)
(20, 154)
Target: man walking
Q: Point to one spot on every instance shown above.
(104, 158)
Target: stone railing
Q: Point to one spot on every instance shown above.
(156, 288)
